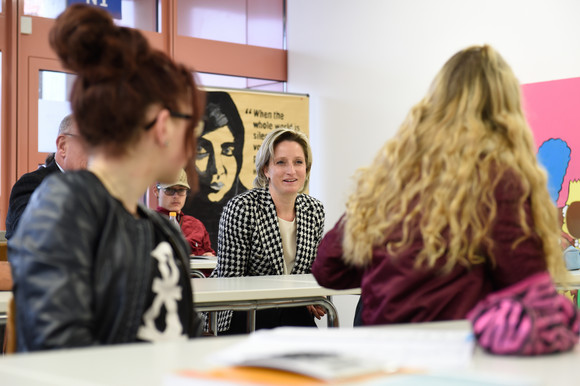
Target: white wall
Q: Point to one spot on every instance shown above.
(364, 63)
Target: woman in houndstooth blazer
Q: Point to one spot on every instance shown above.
(273, 229)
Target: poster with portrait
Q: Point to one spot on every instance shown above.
(235, 124)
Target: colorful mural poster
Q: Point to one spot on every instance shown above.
(552, 110)
(235, 124)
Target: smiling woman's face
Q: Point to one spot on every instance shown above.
(216, 163)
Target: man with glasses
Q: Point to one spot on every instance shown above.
(71, 154)
(171, 198)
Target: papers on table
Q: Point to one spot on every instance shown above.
(411, 348)
(324, 366)
(197, 263)
(395, 355)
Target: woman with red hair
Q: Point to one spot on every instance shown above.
(91, 265)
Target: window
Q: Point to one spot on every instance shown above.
(53, 106)
(214, 80)
(253, 22)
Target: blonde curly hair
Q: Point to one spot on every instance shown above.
(438, 174)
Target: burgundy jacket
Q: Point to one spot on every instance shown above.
(393, 291)
(194, 232)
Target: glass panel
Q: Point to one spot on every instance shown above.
(255, 22)
(215, 80)
(223, 20)
(142, 14)
(266, 23)
(266, 85)
(44, 8)
(53, 106)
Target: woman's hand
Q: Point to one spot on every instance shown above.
(317, 311)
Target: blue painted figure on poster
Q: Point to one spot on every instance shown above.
(554, 155)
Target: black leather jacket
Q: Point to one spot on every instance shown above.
(81, 265)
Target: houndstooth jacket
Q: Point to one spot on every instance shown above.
(249, 241)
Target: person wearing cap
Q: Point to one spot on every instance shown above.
(171, 198)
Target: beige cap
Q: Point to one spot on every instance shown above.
(182, 181)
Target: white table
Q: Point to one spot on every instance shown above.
(197, 263)
(148, 364)
(251, 293)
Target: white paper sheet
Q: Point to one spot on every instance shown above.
(429, 349)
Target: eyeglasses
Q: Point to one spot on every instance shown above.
(172, 191)
(174, 114)
(70, 135)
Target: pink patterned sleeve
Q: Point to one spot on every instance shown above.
(527, 318)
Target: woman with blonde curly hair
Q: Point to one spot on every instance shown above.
(454, 209)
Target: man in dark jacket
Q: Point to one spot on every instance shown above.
(70, 155)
